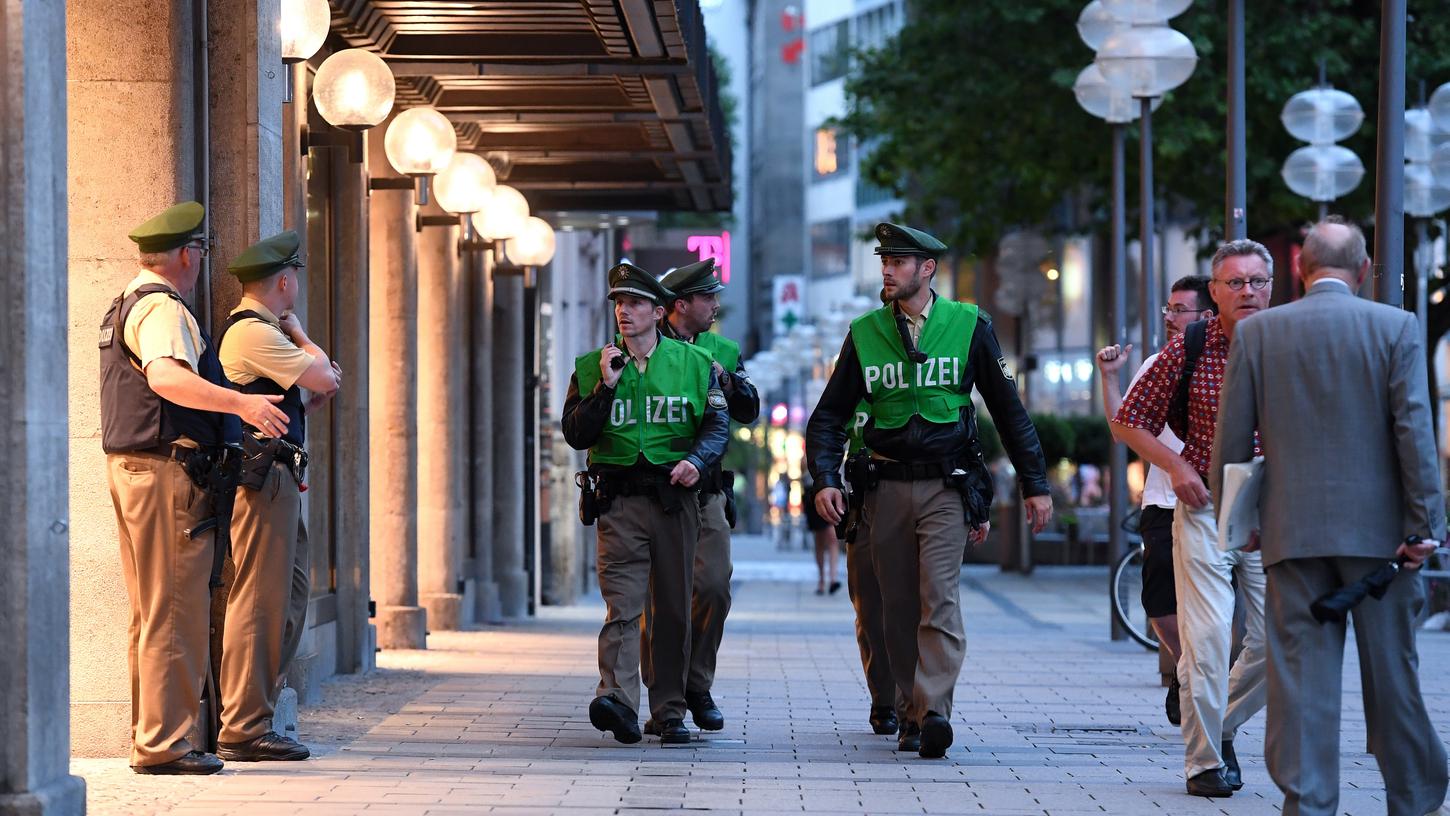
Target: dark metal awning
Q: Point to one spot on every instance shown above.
(580, 104)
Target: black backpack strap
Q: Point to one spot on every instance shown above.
(1194, 338)
(234, 319)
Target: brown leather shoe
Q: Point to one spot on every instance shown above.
(270, 747)
(196, 763)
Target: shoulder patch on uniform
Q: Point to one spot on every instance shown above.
(716, 399)
(1006, 369)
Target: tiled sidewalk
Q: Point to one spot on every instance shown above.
(1051, 718)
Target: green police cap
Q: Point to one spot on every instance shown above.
(267, 257)
(896, 239)
(694, 279)
(176, 227)
(628, 279)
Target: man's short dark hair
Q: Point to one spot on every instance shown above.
(1197, 284)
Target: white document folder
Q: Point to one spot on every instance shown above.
(1238, 514)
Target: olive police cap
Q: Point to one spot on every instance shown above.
(896, 239)
(267, 257)
(176, 227)
(628, 279)
(694, 279)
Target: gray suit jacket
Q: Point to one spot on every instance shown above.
(1337, 388)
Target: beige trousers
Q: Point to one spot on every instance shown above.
(261, 605)
(646, 571)
(711, 598)
(917, 535)
(865, 591)
(1214, 699)
(166, 575)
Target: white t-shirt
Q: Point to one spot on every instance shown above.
(1157, 487)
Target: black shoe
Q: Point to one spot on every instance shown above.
(270, 747)
(1231, 773)
(835, 587)
(936, 736)
(674, 732)
(883, 720)
(1210, 784)
(193, 763)
(909, 739)
(704, 711)
(652, 727)
(608, 714)
(1171, 705)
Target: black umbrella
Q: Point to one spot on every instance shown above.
(1335, 606)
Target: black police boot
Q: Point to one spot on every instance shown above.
(1231, 773)
(652, 727)
(1210, 784)
(936, 736)
(883, 720)
(704, 711)
(909, 739)
(608, 714)
(674, 732)
(1171, 703)
(270, 747)
(196, 763)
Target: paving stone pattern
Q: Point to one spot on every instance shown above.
(1051, 718)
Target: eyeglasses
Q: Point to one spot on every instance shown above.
(1238, 284)
(200, 247)
(1176, 311)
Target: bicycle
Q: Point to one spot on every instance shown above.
(1126, 592)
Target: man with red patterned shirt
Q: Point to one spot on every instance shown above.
(1215, 701)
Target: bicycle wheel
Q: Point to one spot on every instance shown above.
(1127, 599)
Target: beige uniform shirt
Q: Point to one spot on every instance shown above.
(259, 348)
(914, 324)
(159, 326)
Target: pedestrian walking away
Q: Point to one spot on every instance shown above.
(914, 362)
(264, 350)
(169, 428)
(1336, 387)
(652, 415)
(1181, 390)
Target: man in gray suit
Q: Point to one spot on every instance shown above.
(1336, 387)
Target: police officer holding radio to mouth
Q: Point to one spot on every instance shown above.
(915, 361)
(651, 413)
(168, 427)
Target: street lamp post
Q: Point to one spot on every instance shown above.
(1389, 192)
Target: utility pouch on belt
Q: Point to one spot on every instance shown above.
(258, 454)
(588, 504)
(729, 478)
(974, 482)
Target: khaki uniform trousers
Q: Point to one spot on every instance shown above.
(263, 606)
(865, 592)
(918, 534)
(646, 574)
(711, 600)
(166, 576)
(1214, 699)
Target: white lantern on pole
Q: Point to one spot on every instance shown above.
(1419, 135)
(1322, 172)
(1095, 23)
(465, 184)
(533, 245)
(303, 25)
(1147, 60)
(1440, 107)
(1425, 195)
(354, 89)
(1105, 100)
(420, 142)
(1322, 115)
(1146, 12)
(503, 215)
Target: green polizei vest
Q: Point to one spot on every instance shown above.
(856, 428)
(899, 389)
(725, 351)
(656, 413)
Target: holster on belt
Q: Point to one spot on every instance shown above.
(860, 476)
(588, 497)
(259, 454)
(671, 497)
(973, 481)
(718, 480)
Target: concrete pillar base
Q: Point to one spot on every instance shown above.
(368, 650)
(402, 627)
(284, 716)
(62, 797)
(467, 614)
(513, 592)
(445, 611)
(486, 608)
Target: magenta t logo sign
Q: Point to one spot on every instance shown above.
(713, 246)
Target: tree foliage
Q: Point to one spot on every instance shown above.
(971, 116)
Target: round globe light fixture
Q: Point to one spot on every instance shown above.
(1425, 196)
(1440, 163)
(1440, 107)
(502, 217)
(465, 184)
(1146, 12)
(533, 245)
(1322, 115)
(420, 142)
(1147, 60)
(1419, 135)
(304, 25)
(1104, 99)
(1322, 172)
(1095, 23)
(354, 89)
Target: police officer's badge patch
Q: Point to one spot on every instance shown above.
(1006, 369)
(716, 399)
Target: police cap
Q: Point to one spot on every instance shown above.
(895, 239)
(694, 279)
(267, 257)
(627, 279)
(176, 227)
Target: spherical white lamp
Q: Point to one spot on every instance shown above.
(503, 215)
(1106, 100)
(1440, 107)
(1440, 163)
(1147, 60)
(1419, 135)
(465, 184)
(304, 25)
(1322, 172)
(533, 245)
(420, 142)
(1322, 115)
(1095, 23)
(1425, 196)
(1146, 12)
(354, 89)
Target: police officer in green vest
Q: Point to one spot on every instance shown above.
(691, 312)
(651, 413)
(915, 361)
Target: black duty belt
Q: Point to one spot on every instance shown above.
(907, 471)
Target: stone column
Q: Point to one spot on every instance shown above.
(441, 519)
(393, 410)
(508, 450)
(480, 326)
(34, 541)
(130, 147)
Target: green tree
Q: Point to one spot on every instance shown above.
(972, 117)
(1056, 437)
(1092, 440)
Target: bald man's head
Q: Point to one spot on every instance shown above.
(1334, 246)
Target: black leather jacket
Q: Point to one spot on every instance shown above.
(922, 441)
(741, 398)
